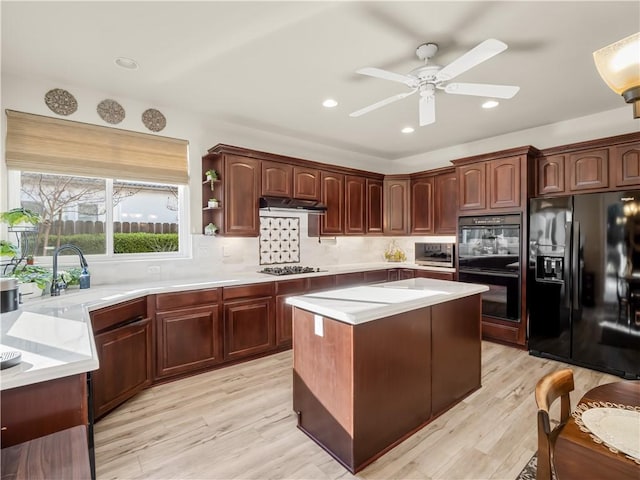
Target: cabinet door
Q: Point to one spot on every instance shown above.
(125, 365)
(626, 165)
(375, 276)
(306, 183)
(422, 206)
(354, 203)
(551, 174)
(249, 327)
(349, 279)
(504, 182)
(332, 222)
(242, 187)
(396, 207)
(472, 187)
(374, 206)
(405, 273)
(588, 170)
(284, 312)
(188, 339)
(276, 179)
(446, 203)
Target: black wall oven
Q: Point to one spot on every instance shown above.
(489, 254)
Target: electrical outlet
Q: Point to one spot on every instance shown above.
(153, 270)
(226, 251)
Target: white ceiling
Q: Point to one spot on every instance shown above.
(269, 65)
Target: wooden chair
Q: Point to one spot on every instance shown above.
(548, 389)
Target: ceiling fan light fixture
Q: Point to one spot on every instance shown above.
(408, 130)
(329, 103)
(490, 104)
(619, 66)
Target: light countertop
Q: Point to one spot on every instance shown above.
(356, 305)
(55, 336)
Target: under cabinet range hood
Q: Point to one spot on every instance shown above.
(292, 204)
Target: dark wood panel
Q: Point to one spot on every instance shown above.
(349, 279)
(446, 203)
(125, 356)
(277, 179)
(502, 333)
(43, 408)
(188, 340)
(455, 343)
(588, 170)
(246, 291)
(504, 182)
(324, 282)
(242, 186)
(293, 286)
(472, 187)
(375, 276)
(406, 273)
(249, 327)
(354, 205)
(551, 174)
(396, 206)
(284, 312)
(122, 312)
(422, 205)
(374, 206)
(60, 455)
(306, 183)
(169, 301)
(434, 274)
(332, 222)
(626, 165)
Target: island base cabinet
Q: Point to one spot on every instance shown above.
(356, 393)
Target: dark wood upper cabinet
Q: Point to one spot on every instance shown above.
(446, 203)
(242, 177)
(306, 183)
(374, 206)
(355, 204)
(472, 186)
(422, 205)
(332, 222)
(550, 175)
(588, 170)
(626, 165)
(504, 182)
(276, 179)
(396, 206)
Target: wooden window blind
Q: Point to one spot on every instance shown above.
(42, 144)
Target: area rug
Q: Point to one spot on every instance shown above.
(529, 471)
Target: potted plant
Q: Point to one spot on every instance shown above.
(19, 216)
(213, 203)
(212, 176)
(210, 229)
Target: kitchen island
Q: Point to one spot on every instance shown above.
(374, 364)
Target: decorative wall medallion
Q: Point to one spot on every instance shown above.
(111, 111)
(60, 101)
(153, 120)
(279, 240)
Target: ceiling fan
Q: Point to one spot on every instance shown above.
(427, 78)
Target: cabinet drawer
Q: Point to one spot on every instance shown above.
(348, 279)
(321, 283)
(283, 287)
(123, 312)
(170, 301)
(246, 291)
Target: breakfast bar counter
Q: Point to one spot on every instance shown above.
(374, 364)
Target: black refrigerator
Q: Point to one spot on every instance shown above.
(583, 283)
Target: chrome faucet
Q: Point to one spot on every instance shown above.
(55, 287)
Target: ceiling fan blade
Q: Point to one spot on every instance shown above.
(487, 49)
(386, 75)
(482, 90)
(427, 110)
(381, 103)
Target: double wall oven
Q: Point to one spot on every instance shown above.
(489, 254)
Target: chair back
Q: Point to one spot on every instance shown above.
(548, 389)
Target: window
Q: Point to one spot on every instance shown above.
(103, 216)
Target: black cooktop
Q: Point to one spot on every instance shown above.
(288, 270)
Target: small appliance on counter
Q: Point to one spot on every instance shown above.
(8, 295)
(434, 254)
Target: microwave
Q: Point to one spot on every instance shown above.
(434, 254)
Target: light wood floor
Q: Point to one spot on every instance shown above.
(237, 423)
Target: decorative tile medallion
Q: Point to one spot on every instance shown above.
(153, 120)
(60, 101)
(279, 240)
(111, 111)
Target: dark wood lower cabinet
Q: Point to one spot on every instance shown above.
(125, 365)
(284, 312)
(434, 274)
(188, 339)
(249, 327)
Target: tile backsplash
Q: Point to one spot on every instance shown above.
(279, 240)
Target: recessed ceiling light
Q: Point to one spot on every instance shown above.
(407, 130)
(127, 63)
(490, 104)
(329, 103)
